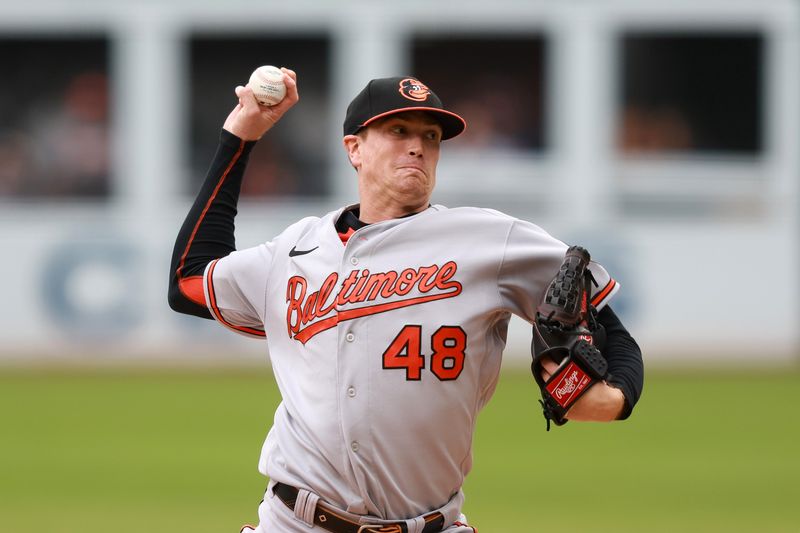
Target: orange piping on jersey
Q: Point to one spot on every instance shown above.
(605, 292)
(236, 157)
(212, 301)
(192, 288)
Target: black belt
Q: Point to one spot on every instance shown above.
(327, 518)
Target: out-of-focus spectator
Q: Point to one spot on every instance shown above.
(692, 93)
(61, 148)
(270, 172)
(15, 162)
(71, 148)
(503, 116)
(654, 130)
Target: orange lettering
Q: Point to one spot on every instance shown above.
(295, 300)
(324, 293)
(360, 286)
(355, 296)
(426, 273)
(444, 275)
(408, 278)
(346, 285)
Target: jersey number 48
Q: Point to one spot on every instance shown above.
(447, 360)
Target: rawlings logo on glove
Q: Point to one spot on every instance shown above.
(565, 332)
(573, 381)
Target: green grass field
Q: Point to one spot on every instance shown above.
(137, 451)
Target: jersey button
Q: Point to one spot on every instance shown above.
(354, 446)
(354, 260)
(351, 392)
(350, 337)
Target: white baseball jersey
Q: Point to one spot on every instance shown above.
(385, 348)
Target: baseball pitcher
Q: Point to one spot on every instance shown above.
(386, 320)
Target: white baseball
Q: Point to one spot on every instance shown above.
(267, 85)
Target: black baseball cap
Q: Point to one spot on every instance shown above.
(386, 96)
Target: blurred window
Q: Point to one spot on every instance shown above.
(691, 93)
(54, 117)
(292, 159)
(503, 101)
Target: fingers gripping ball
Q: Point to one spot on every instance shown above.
(267, 85)
(566, 332)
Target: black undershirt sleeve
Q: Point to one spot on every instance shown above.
(207, 232)
(624, 359)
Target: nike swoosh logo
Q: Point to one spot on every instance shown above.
(295, 252)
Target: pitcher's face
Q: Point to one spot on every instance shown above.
(398, 155)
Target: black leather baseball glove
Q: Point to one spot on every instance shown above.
(566, 331)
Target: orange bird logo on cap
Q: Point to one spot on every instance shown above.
(414, 89)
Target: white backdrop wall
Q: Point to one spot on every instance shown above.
(89, 279)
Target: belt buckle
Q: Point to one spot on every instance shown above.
(380, 528)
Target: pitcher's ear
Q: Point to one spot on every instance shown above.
(352, 145)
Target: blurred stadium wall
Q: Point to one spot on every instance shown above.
(661, 135)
